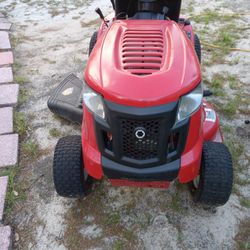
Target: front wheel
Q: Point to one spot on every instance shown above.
(70, 178)
(214, 185)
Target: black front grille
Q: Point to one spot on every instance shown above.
(163, 142)
(144, 148)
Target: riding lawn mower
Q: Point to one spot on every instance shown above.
(144, 118)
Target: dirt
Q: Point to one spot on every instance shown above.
(51, 40)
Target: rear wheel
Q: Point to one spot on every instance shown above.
(214, 185)
(92, 42)
(70, 179)
(197, 47)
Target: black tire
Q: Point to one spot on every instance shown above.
(197, 47)
(68, 173)
(216, 177)
(92, 42)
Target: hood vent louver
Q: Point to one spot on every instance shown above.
(142, 51)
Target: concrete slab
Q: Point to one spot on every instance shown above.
(5, 238)
(3, 190)
(8, 150)
(3, 19)
(6, 75)
(6, 120)
(9, 95)
(6, 57)
(4, 40)
(5, 26)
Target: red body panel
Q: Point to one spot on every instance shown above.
(92, 155)
(210, 127)
(179, 72)
(207, 131)
(152, 184)
(191, 157)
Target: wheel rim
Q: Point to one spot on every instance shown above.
(196, 182)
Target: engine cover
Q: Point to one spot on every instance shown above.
(143, 63)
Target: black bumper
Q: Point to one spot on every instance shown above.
(166, 172)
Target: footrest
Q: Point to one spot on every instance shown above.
(66, 100)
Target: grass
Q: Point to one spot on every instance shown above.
(243, 237)
(176, 203)
(23, 96)
(230, 108)
(241, 182)
(236, 149)
(112, 219)
(209, 16)
(216, 84)
(224, 34)
(244, 202)
(21, 79)
(15, 41)
(234, 61)
(227, 129)
(233, 81)
(118, 245)
(54, 132)
(220, 80)
(16, 66)
(20, 125)
(13, 189)
(104, 216)
(226, 37)
(206, 17)
(30, 149)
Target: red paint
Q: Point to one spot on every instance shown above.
(128, 183)
(92, 155)
(211, 129)
(191, 157)
(179, 72)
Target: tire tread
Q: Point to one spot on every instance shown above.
(68, 168)
(216, 181)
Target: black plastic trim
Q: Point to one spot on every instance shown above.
(167, 115)
(68, 106)
(165, 172)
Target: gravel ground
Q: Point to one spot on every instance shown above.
(51, 40)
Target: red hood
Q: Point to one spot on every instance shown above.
(143, 63)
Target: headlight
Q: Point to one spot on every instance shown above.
(93, 101)
(190, 103)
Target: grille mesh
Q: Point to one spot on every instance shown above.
(142, 51)
(140, 149)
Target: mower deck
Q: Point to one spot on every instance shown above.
(66, 100)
